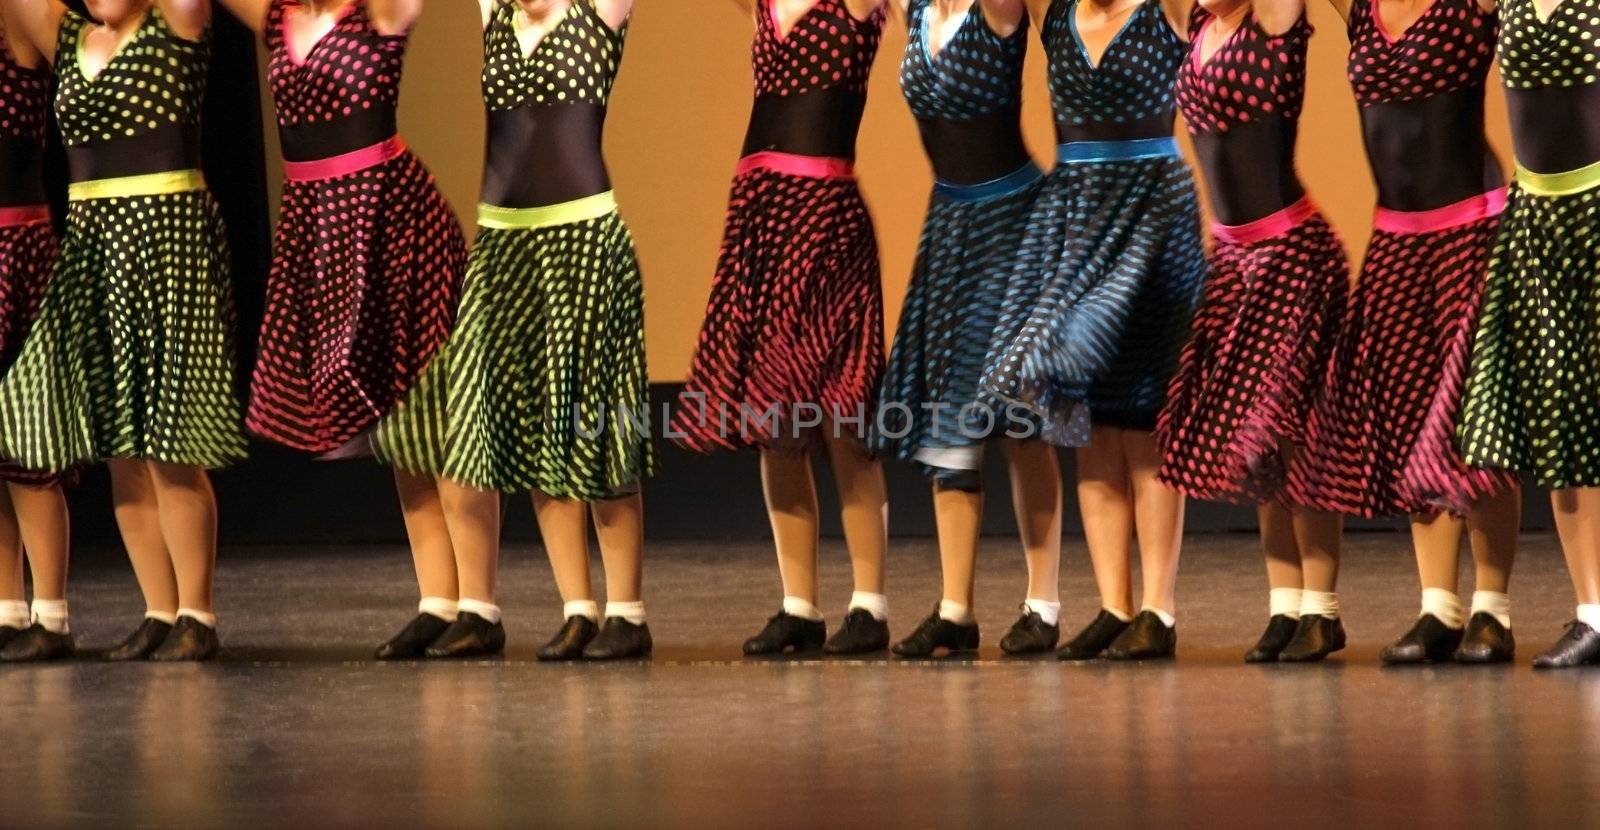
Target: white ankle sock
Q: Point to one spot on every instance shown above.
(51, 614)
(875, 604)
(1166, 617)
(955, 612)
(1589, 615)
(161, 616)
(444, 609)
(1322, 603)
(205, 618)
(1285, 602)
(581, 608)
(1494, 603)
(797, 607)
(1444, 605)
(1048, 611)
(631, 611)
(1118, 614)
(14, 614)
(486, 610)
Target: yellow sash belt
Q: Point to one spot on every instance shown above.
(577, 210)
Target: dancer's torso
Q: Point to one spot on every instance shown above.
(1128, 94)
(339, 94)
(24, 107)
(811, 82)
(1551, 68)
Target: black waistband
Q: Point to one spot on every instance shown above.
(1249, 170)
(21, 172)
(544, 154)
(975, 151)
(1430, 153)
(1156, 126)
(162, 150)
(326, 139)
(823, 122)
(1556, 129)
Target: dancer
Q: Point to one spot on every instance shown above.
(131, 361)
(1092, 346)
(1382, 440)
(366, 272)
(1270, 316)
(542, 385)
(33, 508)
(791, 351)
(962, 76)
(1533, 393)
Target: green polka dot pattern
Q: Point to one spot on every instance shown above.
(1562, 50)
(543, 383)
(132, 353)
(576, 61)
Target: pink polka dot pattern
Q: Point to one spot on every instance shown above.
(24, 97)
(1252, 76)
(1449, 48)
(827, 48)
(367, 267)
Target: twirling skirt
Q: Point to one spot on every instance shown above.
(1263, 341)
(1534, 393)
(28, 250)
(366, 277)
(793, 332)
(542, 386)
(1100, 298)
(1382, 439)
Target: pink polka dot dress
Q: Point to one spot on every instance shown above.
(368, 257)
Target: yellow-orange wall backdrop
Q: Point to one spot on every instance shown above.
(677, 121)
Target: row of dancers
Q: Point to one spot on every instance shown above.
(1082, 298)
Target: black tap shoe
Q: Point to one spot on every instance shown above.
(191, 641)
(935, 633)
(1428, 641)
(1315, 638)
(414, 639)
(142, 642)
(1095, 638)
(1030, 634)
(8, 633)
(37, 644)
(1280, 630)
(785, 633)
(620, 640)
(568, 643)
(1580, 646)
(1486, 641)
(1146, 638)
(469, 636)
(860, 633)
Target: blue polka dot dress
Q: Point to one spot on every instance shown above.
(1111, 263)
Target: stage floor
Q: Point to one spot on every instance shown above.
(296, 727)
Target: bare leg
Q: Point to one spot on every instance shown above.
(620, 525)
(46, 531)
(1318, 536)
(1279, 546)
(1437, 538)
(959, 516)
(1036, 492)
(1158, 512)
(1577, 512)
(863, 510)
(133, 493)
(472, 520)
(12, 586)
(431, 552)
(791, 495)
(564, 524)
(1105, 498)
(188, 509)
(1493, 526)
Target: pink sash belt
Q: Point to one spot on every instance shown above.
(346, 163)
(789, 164)
(1464, 212)
(11, 217)
(1267, 227)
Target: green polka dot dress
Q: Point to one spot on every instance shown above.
(132, 355)
(1533, 398)
(543, 384)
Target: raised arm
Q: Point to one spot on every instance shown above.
(188, 18)
(862, 8)
(1178, 13)
(748, 6)
(1343, 7)
(615, 12)
(252, 13)
(394, 17)
(35, 23)
(1004, 16)
(1279, 16)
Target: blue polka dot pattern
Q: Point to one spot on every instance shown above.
(977, 73)
(1134, 79)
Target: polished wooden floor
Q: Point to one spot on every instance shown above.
(295, 727)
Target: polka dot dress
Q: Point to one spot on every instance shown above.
(796, 309)
(1533, 392)
(366, 267)
(1110, 266)
(1270, 316)
(542, 383)
(966, 251)
(132, 353)
(1382, 440)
